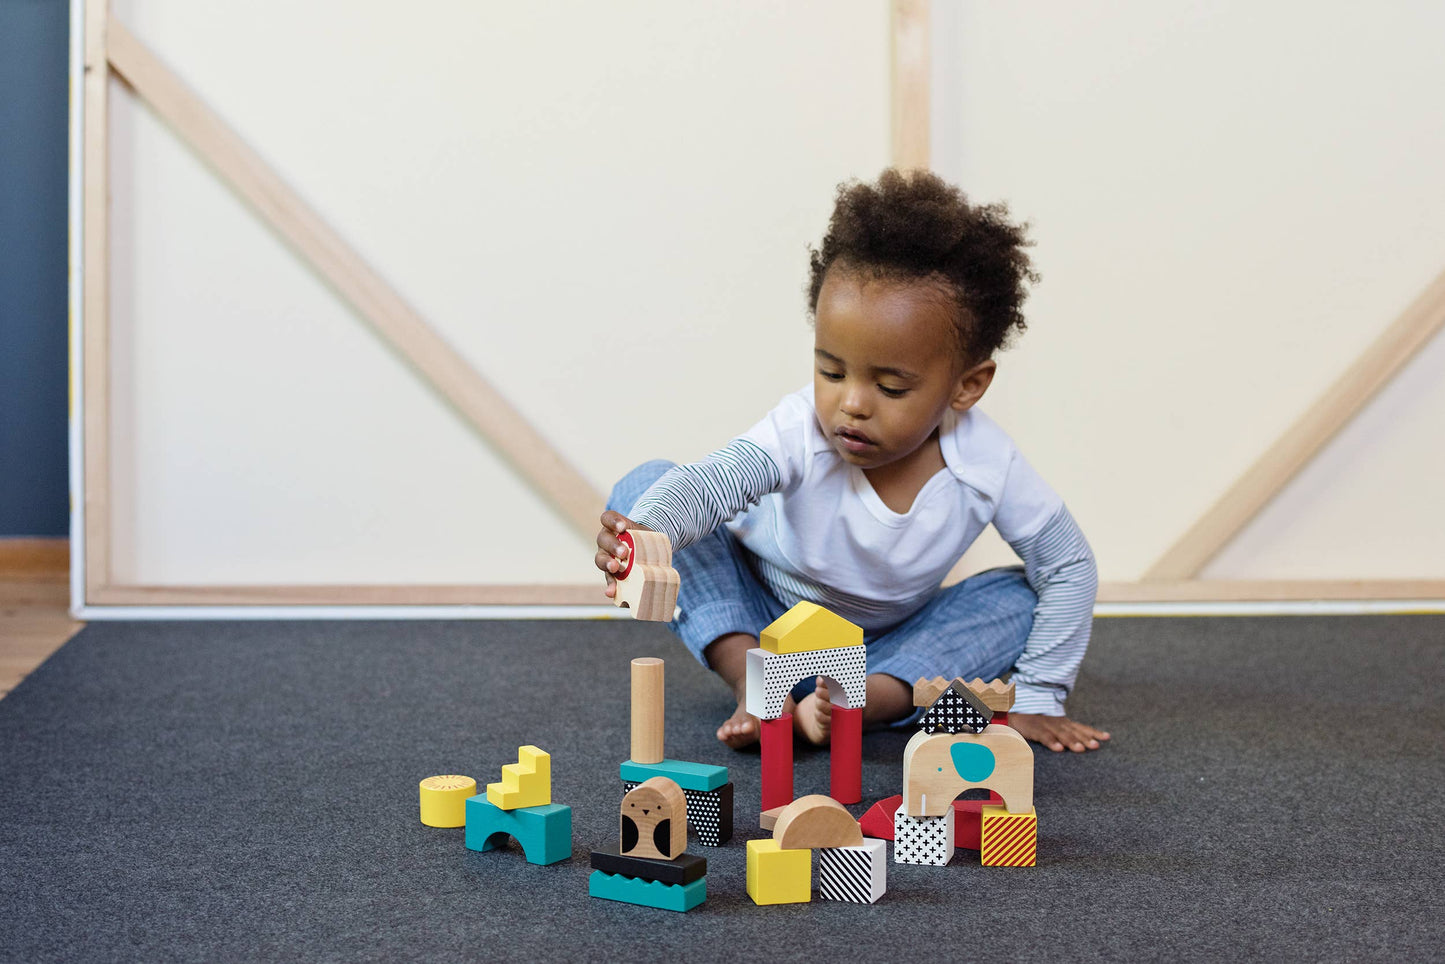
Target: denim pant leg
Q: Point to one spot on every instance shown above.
(977, 627)
(718, 593)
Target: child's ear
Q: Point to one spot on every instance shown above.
(972, 384)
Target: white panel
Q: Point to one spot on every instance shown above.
(568, 191)
(1230, 201)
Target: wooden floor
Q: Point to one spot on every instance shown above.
(34, 617)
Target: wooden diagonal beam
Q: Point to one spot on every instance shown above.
(398, 324)
(911, 43)
(1379, 363)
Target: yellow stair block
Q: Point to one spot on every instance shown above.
(808, 627)
(778, 876)
(526, 783)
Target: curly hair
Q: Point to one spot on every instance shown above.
(916, 227)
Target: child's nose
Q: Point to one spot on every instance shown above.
(855, 403)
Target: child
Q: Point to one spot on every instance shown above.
(862, 491)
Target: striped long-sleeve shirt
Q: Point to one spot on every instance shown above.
(817, 531)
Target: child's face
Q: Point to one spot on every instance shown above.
(887, 367)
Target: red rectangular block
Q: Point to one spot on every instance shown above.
(846, 757)
(777, 750)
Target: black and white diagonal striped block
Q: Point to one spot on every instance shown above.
(922, 840)
(857, 874)
(709, 813)
(772, 676)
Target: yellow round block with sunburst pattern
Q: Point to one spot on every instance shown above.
(444, 800)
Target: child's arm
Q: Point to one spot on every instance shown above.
(690, 501)
(1060, 568)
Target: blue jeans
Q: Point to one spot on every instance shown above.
(977, 627)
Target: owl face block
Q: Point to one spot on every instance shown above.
(654, 820)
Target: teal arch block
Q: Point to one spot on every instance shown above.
(689, 776)
(544, 832)
(647, 893)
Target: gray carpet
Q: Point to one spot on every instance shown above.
(248, 791)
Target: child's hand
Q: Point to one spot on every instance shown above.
(612, 551)
(1057, 732)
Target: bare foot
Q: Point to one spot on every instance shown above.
(813, 716)
(1058, 733)
(740, 729)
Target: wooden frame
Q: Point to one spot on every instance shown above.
(108, 46)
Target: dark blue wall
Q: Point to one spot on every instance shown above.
(34, 79)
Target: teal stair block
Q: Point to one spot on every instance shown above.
(689, 776)
(544, 832)
(647, 893)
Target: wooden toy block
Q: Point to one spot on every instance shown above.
(923, 840)
(689, 776)
(647, 710)
(925, 691)
(956, 710)
(776, 737)
(1009, 839)
(647, 893)
(654, 820)
(768, 819)
(647, 584)
(845, 758)
(778, 876)
(709, 813)
(772, 676)
(816, 821)
(444, 800)
(996, 695)
(878, 821)
(544, 833)
(809, 627)
(856, 874)
(526, 783)
(682, 870)
(938, 767)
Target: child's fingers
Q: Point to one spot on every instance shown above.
(614, 521)
(608, 563)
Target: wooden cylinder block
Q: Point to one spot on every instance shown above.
(647, 710)
(444, 800)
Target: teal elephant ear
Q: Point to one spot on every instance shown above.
(973, 761)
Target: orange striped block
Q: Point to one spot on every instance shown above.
(1009, 839)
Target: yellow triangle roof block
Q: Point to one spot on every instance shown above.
(808, 627)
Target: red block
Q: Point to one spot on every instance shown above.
(777, 775)
(846, 758)
(967, 820)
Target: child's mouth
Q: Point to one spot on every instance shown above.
(854, 441)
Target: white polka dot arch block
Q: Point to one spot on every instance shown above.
(772, 676)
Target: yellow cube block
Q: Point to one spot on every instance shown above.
(1009, 839)
(778, 876)
(808, 627)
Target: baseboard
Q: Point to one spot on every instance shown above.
(34, 557)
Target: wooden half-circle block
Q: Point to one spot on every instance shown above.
(816, 821)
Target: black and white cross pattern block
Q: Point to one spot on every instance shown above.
(709, 813)
(772, 676)
(957, 710)
(856, 874)
(922, 840)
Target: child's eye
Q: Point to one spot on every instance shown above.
(893, 392)
(831, 376)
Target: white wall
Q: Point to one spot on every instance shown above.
(570, 192)
(1230, 201)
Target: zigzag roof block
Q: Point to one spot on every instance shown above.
(998, 696)
(925, 691)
